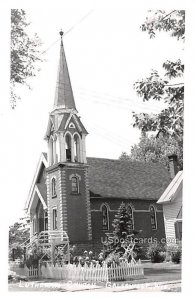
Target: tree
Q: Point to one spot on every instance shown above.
(169, 121)
(152, 149)
(123, 232)
(18, 234)
(24, 53)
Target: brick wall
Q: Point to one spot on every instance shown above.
(73, 211)
(141, 214)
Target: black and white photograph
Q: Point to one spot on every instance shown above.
(94, 136)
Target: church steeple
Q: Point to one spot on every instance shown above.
(65, 132)
(64, 95)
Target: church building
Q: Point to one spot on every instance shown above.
(81, 195)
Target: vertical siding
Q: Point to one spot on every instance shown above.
(171, 211)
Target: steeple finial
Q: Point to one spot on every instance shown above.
(61, 33)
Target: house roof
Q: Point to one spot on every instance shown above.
(125, 179)
(172, 189)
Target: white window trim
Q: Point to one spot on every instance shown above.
(155, 216)
(53, 177)
(54, 208)
(108, 209)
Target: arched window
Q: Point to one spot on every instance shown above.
(153, 218)
(105, 217)
(54, 150)
(51, 150)
(68, 147)
(34, 224)
(54, 218)
(76, 148)
(53, 187)
(130, 213)
(45, 220)
(57, 149)
(75, 185)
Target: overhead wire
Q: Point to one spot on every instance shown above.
(69, 30)
(114, 100)
(109, 135)
(108, 96)
(119, 105)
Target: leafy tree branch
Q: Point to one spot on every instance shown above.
(24, 53)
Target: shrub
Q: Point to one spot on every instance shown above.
(176, 254)
(156, 253)
(139, 252)
(113, 257)
(35, 253)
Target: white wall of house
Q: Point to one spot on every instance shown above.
(171, 211)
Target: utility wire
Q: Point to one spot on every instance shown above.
(50, 47)
(118, 98)
(69, 30)
(111, 140)
(115, 99)
(112, 135)
(80, 21)
(118, 105)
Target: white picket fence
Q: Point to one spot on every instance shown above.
(94, 273)
(31, 272)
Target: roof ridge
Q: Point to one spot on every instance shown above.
(103, 158)
(129, 161)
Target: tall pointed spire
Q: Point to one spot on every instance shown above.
(64, 95)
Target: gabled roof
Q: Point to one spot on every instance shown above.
(115, 179)
(130, 180)
(35, 187)
(179, 216)
(80, 124)
(64, 121)
(67, 118)
(173, 188)
(42, 188)
(64, 94)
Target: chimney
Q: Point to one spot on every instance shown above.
(173, 165)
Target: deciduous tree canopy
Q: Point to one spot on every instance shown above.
(152, 149)
(168, 124)
(24, 52)
(170, 88)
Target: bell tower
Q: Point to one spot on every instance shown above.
(67, 174)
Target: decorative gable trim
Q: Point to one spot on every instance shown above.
(40, 197)
(72, 122)
(71, 125)
(49, 128)
(77, 123)
(42, 160)
(67, 122)
(172, 190)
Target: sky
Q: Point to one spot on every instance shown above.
(106, 53)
